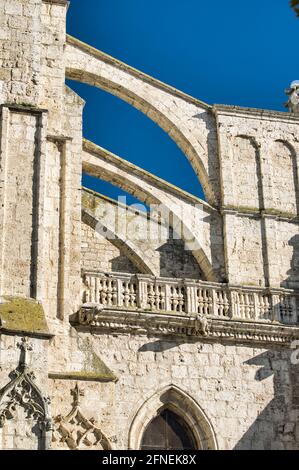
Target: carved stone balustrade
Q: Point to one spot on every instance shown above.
(190, 297)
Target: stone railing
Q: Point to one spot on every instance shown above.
(182, 297)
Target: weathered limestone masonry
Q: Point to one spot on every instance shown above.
(101, 330)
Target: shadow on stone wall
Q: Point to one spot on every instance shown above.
(122, 264)
(292, 281)
(177, 262)
(161, 345)
(276, 427)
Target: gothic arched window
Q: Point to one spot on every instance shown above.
(167, 431)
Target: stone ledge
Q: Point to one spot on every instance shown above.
(84, 376)
(124, 321)
(58, 138)
(260, 213)
(24, 108)
(63, 3)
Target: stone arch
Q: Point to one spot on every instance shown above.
(152, 190)
(175, 399)
(131, 251)
(186, 120)
(284, 176)
(246, 155)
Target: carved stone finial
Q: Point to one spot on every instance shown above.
(293, 94)
(24, 345)
(77, 393)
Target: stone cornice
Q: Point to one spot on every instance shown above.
(125, 321)
(255, 113)
(64, 3)
(257, 213)
(21, 108)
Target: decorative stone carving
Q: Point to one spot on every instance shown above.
(118, 321)
(293, 94)
(78, 432)
(202, 325)
(22, 391)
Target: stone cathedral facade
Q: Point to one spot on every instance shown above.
(109, 339)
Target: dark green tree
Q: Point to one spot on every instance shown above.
(295, 6)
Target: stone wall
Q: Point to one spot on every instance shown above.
(236, 395)
(99, 254)
(266, 194)
(245, 391)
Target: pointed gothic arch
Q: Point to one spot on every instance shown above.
(181, 404)
(189, 129)
(150, 189)
(126, 247)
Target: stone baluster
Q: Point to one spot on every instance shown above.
(191, 298)
(246, 300)
(234, 304)
(109, 292)
(268, 313)
(276, 314)
(142, 297)
(114, 292)
(257, 306)
(167, 298)
(120, 292)
(157, 297)
(174, 299)
(163, 297)
(205, 301)
(294, 316)
(92, 284)
(241, 305)
(126, 292)
(215, 306)
(104, 292)
(181, 299)
(133, 294)
(86, 289)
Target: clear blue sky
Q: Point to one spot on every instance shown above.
(231, 52)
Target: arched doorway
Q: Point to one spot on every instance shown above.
(176, 418)
(167, 431)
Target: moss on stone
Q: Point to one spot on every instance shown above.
(255, 210)
(278, 213)
(85, 376)
(24, 315)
